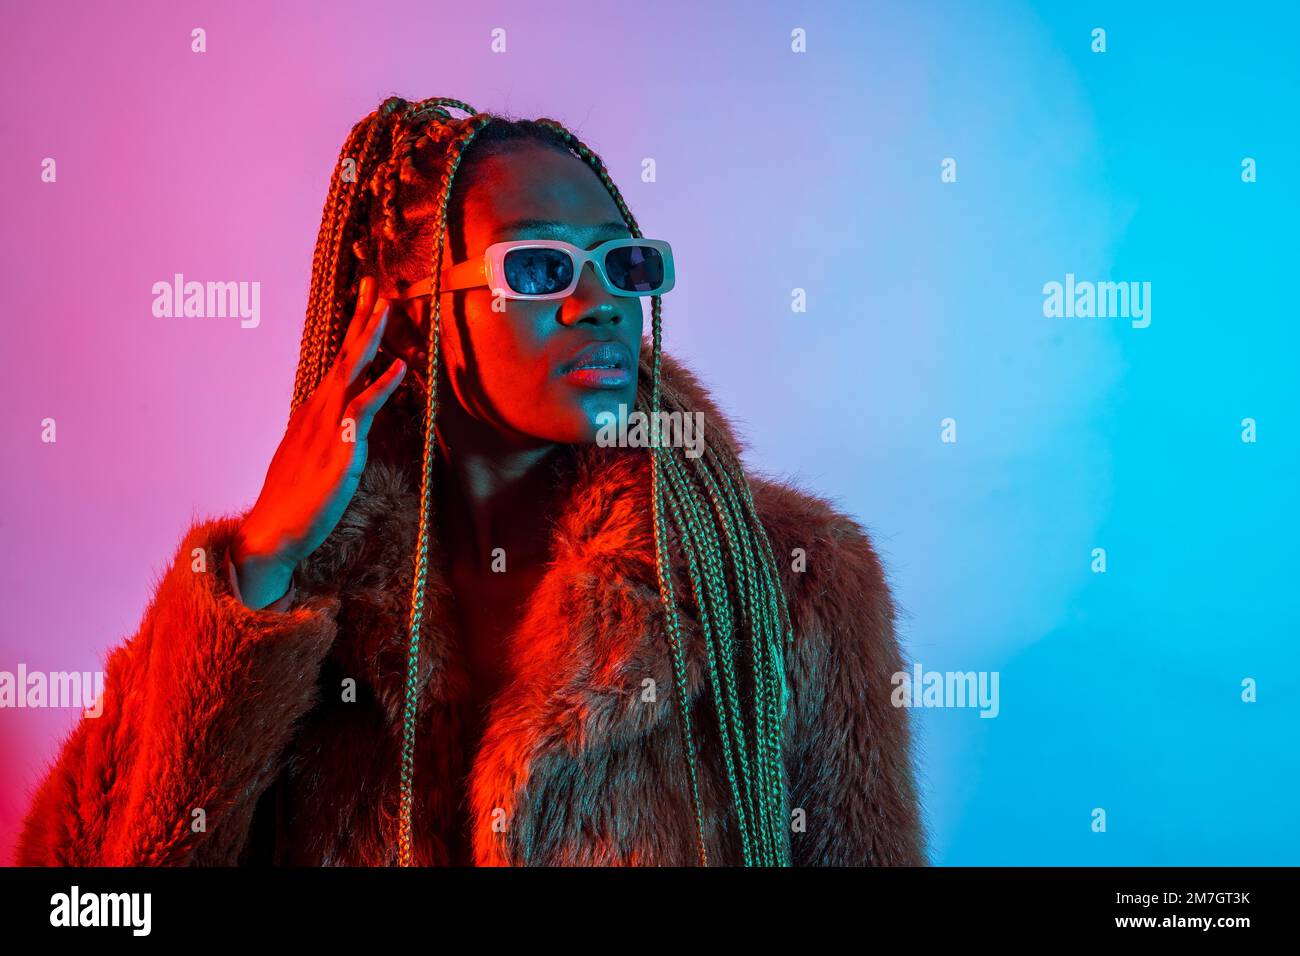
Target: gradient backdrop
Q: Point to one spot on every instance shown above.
(776, 171)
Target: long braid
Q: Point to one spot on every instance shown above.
(323, 329)
(717, 646)
(426, 490)
(764, 612)
(765, 785)
(701, 508)
(667, 596)
(773, 633)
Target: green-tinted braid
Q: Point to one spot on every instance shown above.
(455, 153)
(728, 598)
(701, 507)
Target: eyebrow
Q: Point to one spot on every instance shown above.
(551, 228)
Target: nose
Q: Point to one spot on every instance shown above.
(591, 303)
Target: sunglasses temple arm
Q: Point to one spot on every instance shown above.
(465, 275)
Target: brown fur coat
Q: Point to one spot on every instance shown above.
(226, 737)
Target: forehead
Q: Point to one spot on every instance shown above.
(528, 184)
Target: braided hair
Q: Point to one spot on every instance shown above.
(393, 180)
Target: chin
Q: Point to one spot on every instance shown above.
(601, 407)
(576, 416)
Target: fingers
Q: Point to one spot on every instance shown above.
(363, 340)
(365, 306)
(405, 332)
(364, 407)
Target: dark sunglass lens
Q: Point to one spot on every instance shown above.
(635, 268)
(538, 271)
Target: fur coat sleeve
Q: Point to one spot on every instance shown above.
(198, 707)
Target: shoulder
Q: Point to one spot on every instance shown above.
(845, 651)
(850, 749)
(835, 584)
(833, 577)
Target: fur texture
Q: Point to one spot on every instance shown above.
(242, 714)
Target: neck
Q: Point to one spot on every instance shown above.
(499, 495)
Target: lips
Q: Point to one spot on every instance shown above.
(600, 365)
(600, 355)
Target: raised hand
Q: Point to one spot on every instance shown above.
(318, 465)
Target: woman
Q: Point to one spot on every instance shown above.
(457, 629)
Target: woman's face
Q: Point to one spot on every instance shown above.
(518, 367)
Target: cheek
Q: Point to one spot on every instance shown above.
(508, 350)
(502, 365)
